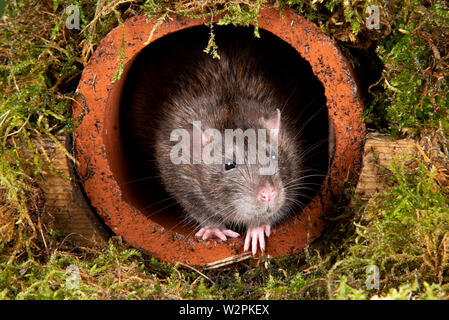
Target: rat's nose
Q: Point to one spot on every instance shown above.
(267, 194)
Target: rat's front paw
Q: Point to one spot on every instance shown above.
(208, 233)
(256, 235)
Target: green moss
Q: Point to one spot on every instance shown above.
(239, 13)
(41, 62)
(414, 85)
(403, 232)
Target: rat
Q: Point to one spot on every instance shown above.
(234, 92)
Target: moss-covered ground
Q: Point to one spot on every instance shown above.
(401, 235)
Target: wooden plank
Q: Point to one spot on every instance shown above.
(66, 206)
(379, 151)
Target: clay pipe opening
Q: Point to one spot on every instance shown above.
(160, 64)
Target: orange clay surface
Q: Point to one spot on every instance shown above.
(99, 156)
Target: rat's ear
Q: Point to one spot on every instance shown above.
(198, 135)
(273, 121)
(273, 124)
(202, 145)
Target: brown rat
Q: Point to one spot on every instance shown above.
(236, 91)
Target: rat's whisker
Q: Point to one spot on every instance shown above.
(141, 179)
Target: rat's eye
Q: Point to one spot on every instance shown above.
(229, 165)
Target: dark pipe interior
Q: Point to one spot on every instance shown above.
(158, 62)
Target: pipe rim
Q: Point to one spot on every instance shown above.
(91, 139)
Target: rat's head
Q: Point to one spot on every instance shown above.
(250, 172)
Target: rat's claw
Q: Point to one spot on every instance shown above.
(208, 233)
(256, 235)
(231, 233)
(267, 229)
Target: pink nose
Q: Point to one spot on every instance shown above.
(267, 194)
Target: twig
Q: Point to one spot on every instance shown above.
(228, 261)
(197, 271)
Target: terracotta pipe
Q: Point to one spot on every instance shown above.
(97, 151)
